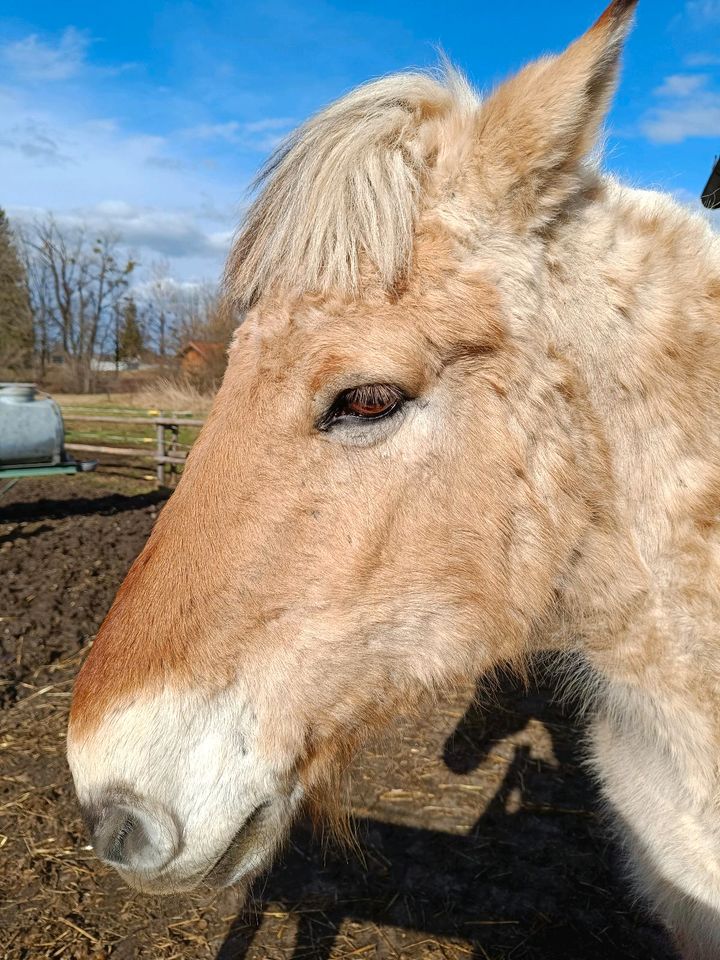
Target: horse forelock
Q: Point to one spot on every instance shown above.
(342, 195)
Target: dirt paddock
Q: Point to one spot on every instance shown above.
(478, 829)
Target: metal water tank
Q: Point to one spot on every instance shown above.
(31, 427)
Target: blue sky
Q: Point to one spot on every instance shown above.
(151, 118)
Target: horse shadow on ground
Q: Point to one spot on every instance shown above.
(30, 511)
(536, 877)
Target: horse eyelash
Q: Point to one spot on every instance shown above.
(366, 393)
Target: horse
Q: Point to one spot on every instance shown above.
(471, 414)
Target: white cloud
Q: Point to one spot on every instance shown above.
(173, 195)
(34, 59)
(213, 131)
(705, 11)
(92, 171)
(702, 60)
(169, 286)
(260, 135)
(681, 84)
(673, 125)
(688, 107)
(35, 142)
(269, 123)
(156, 233)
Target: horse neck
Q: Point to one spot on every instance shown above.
(634, 281)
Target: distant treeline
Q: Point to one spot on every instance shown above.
(70, 296)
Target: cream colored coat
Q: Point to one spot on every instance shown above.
(550, 480)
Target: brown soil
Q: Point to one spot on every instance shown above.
(478, 828)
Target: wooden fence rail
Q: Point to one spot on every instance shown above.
(150, 421)
(165, 453)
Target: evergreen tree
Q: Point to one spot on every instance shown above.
(130, 343)
(16, 322)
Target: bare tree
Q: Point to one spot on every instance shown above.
(160, 310)
(16, 326)
(176, 312)
(40, 295)
(76, 283)
(195, 306)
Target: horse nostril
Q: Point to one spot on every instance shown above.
(132, 838)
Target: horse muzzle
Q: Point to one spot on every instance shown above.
(145, 844)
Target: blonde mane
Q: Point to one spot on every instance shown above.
(345, 189)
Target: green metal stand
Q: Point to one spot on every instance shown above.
(18, 472)
(13, 474)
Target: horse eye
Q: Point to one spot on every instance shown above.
(371, 402)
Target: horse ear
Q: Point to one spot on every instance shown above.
(535, 130)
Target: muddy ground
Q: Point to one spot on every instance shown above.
(478, 828)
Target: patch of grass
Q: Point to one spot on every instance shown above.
(123, 434)
(127, 405)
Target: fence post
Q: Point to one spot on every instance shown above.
(172, 450)
(160, 470)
